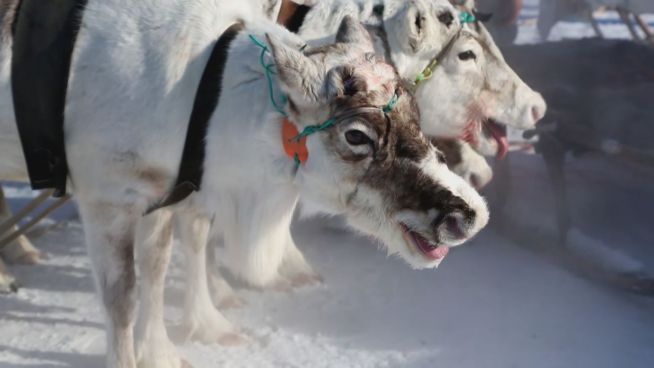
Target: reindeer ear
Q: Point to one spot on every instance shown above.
(300, 77)
(352, 31)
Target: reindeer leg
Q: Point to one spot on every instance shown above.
(154, 243)
(222, 293)
(256, 242)
(7, 282)
(295, 267)
(109, 230)
(201, 321)
(21, 250)
(554, 156)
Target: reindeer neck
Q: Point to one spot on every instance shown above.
(246, 127)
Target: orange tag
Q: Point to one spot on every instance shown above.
(292, 145)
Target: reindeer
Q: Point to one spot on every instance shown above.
(466, 90)
(464, 161)
(367, 157)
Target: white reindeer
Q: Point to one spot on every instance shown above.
(134, 74)
(470, 89)
(464, 161)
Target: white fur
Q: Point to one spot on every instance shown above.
(473, 167)
(133, 78)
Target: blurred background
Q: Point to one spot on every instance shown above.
(562, 277)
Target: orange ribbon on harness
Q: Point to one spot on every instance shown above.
(295, 148)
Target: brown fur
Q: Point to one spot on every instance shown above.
(451, 148)
(394, 168)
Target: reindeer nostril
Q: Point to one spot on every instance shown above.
(453, 226)
(446, 18)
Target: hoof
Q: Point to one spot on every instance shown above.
(30, 258)
(206, 325)
(306, 279)
(185, 333)
(282, 285)
(159, 363)
(232, 339)
(8, 285)
(232, 302)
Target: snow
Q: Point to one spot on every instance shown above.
(491, 303)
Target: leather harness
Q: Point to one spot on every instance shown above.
(191, 168)
(44, 37)
(44, 34)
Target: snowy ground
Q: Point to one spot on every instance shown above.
(492, 303)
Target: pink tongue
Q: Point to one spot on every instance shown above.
(439, 252)
(429, 250)
(499, 134)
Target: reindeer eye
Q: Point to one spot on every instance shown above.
(467, 55)
(356, 137)
(446, 18)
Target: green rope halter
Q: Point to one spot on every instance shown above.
(311, 129)
(464, 17)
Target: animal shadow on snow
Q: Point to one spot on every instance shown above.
(65, 360)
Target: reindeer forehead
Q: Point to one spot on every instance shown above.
(378, 75)
(469, 35)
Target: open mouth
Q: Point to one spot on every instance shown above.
(497, 132)
(490, 129)
(431, 251)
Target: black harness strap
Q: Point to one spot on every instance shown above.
(44, 38)
(189, 177)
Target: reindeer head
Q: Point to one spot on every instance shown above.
(373, 164)
(471, 92)
(464, 161)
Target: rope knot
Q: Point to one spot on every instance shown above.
(466, 17)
